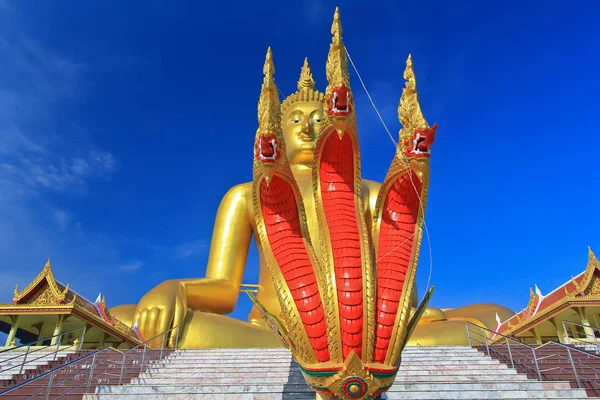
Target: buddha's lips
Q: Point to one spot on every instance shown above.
(306, 137)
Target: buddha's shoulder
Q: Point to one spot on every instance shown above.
(240, 191)
(371, 186)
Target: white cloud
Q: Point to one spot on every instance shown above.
(131, 266)
(39, 157)
(189, 249)
(32, 155)
(63, 218)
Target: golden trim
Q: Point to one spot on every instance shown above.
(332, 310)
(45, 273)
(288, 307)
(586, 279)
(531, 303)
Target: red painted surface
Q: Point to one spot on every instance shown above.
(396, 239)
(282, 223)
(336, 176)
(427, 139)
(340, 101)
(267, 148)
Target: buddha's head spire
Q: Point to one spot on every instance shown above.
(306, 81)
(307, 89)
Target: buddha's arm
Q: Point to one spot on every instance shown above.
(232, 234)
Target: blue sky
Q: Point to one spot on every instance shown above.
(123, 123)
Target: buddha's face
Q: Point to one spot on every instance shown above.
(300, 123)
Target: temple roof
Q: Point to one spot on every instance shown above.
(45, 295)
(580, 290)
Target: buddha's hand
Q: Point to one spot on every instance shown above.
(161, 309)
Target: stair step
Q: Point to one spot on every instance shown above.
(433, 373)
(406, 391)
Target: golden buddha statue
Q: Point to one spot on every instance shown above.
(198, 305)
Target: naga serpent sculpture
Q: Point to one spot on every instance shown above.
(345, 295)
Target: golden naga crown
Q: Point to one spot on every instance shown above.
(345, 295)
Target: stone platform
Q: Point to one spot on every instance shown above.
(426, 373)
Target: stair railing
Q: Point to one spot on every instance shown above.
(51, 374)
(166, 337)
(479, 334)
(72, 343)
(94, 364)
(475, 331)
(591, 334)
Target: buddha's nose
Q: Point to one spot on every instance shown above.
(307, 132)
(307, 128)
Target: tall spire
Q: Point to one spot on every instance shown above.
(269, 116)
(269, 145)
(337, 61)
(336, 27)
(409, 110)
(338, 95)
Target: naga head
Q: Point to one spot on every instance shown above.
(267, 148)
(416, 137)
(419, 145)
(339, 102)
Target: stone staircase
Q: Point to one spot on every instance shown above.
(36, 363)
(554, 362)
(73, 380)
(426, 373)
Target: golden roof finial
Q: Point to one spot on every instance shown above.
(47, 266)
(307, 89)
(591, 254)
(409, 110)
(337, 61)
(306, 81)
